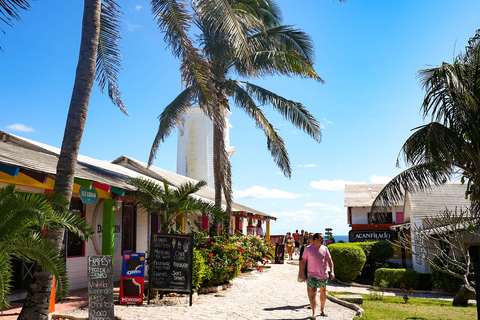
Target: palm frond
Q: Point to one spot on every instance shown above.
(169, 119)
(293, 111)
(414, 179)
(275, 143)
(219, 15)
(38, 249)
(5, 278)
(9, 11)
(174, 21)
(436, 143)
(108, 56)
(189, 188)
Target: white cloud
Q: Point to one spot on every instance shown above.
(315, 204)
(264, 193)
(328, 121)
(307, 212)
(138, 7)
(309, 165)
(324, 207)
(20, 127)
(332, 185)
(380, 179)
(133, 27)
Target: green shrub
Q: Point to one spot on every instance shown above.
(446, 281)
(198, 269)
(377, 253)
(381, 251)
(395, 277)
(424, 281)
(348, 259)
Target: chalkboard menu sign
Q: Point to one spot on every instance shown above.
(100, 288)
(171, 258)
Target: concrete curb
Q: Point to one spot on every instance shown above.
(347, 304)
(366, 286)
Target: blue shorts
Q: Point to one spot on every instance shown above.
(317, 283)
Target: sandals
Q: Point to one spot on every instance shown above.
(323, 314)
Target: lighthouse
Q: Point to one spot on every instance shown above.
(195, 145)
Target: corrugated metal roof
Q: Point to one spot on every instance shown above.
(39, 157)
(176, 180)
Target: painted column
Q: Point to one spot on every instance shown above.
(268, 231)
(108, 227)
(205, 225)
(180, 220)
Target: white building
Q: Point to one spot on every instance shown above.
(32, 167)
(416, 207)
(195, 145)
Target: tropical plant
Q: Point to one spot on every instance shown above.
(250, 42)
(169, 202)
(98, 59)
(449, 145)
(23, 217)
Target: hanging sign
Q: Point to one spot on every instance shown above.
(88, 196)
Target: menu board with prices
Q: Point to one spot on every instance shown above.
(133, 277)
(171, 262)
(100, 288)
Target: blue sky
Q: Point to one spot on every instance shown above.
(368, 52)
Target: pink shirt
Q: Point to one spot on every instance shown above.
(317, 258)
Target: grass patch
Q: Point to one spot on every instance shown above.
(416, 308)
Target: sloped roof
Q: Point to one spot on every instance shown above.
(42, 158)
(435, 200)
(361, 195)
(176, 180)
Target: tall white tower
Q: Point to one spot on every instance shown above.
(195, 145)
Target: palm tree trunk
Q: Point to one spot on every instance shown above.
(217, 172)
(37, 303)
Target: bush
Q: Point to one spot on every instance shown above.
(381, 251)
(424, 281)
(395, 277)
(348, 259)
(199, 268)
(446, 281)
(377, 253)
(224, 258)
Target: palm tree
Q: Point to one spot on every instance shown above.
(449, 146)
(272, 49)
(168, 203)
(99, 59)
(22, 219)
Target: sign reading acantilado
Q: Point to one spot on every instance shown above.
(370, 235)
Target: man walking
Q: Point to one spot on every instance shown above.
(318, 258)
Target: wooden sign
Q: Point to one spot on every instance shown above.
(100, 288)
(171, 263)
